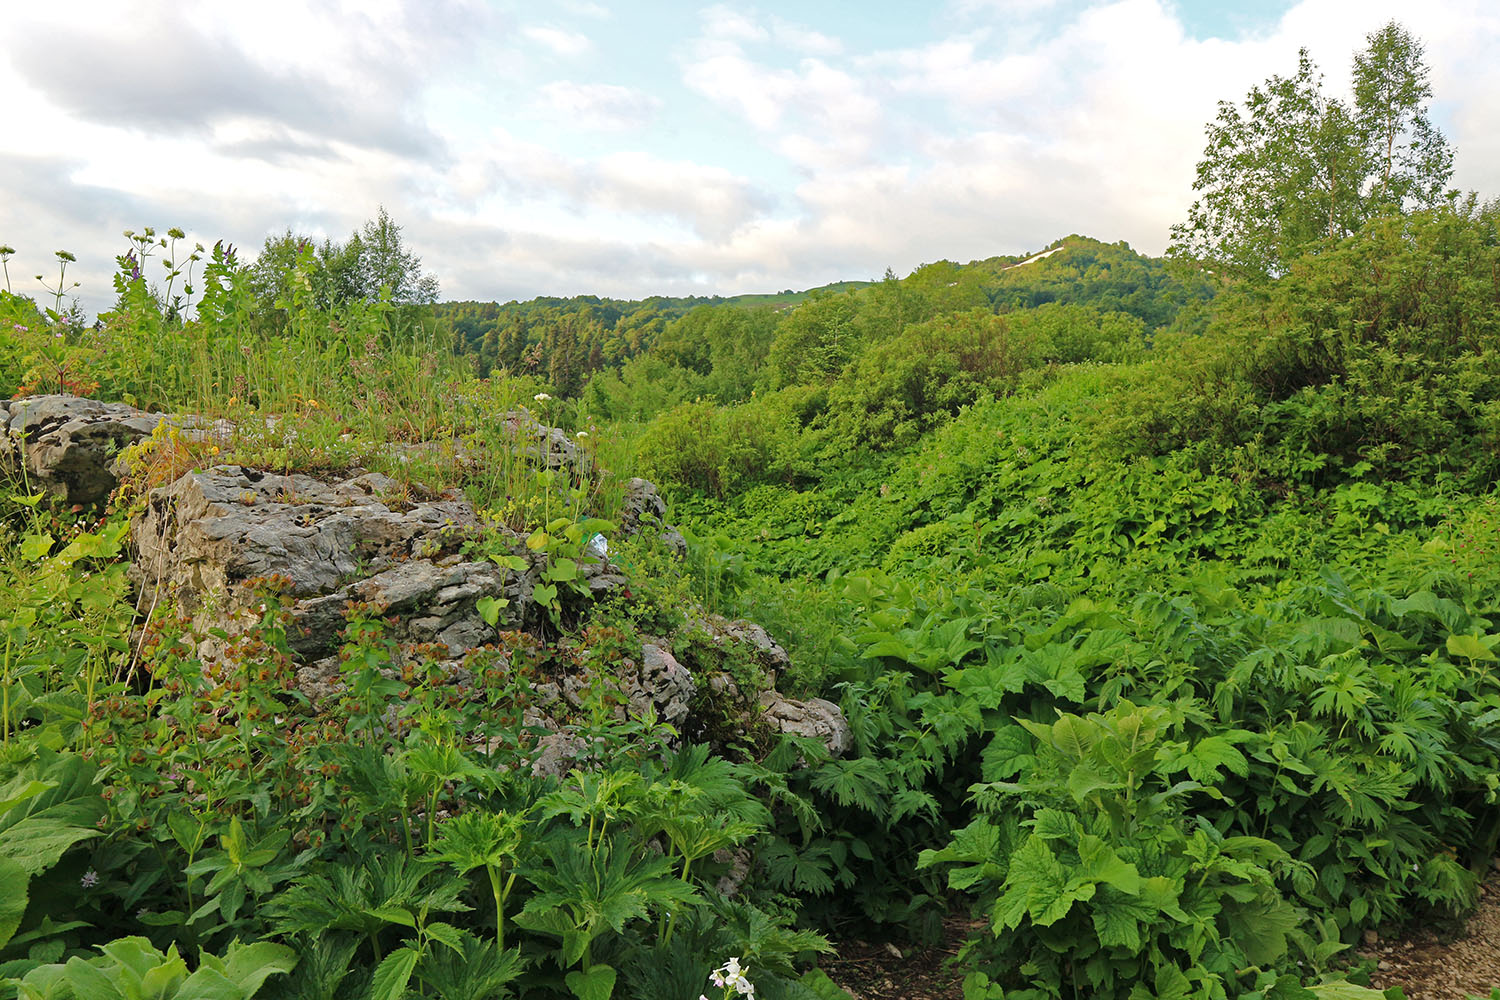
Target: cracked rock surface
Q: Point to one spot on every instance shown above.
(204, 536)
(360, 538)
(66, 444)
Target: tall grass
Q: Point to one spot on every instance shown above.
(365, 384)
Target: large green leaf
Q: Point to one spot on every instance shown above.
(392, 975)
(1098, 863)
(1471, 647)
(42, 824)
(37, 844)
(19, 790)
(1116, 925)
(14, 883)
(249, 965)
(89, 982)
(597, 983)
(208, 984)
(1261, 927)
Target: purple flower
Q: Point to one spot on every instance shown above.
(90, 879)
(18, 326)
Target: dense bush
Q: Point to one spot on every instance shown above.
(1378, 352)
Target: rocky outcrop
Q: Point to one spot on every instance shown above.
(422, 564)
(815, 718)
(549, 447)
(204, 536)
(644, 509)
(65, 444)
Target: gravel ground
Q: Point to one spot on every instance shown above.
(1431, 965)
(1428, 964)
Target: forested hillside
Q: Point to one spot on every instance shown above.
(1136, 617)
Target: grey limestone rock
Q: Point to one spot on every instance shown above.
(550, 446)
(644, 508)
(664, 684)
(747, 637)
(655, 682)
(815, 718)
(66, 444)
(557, 754)
(202, 537)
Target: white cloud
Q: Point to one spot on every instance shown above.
(800, 38)
(822, 159)
(816, 113)
(625, 192)
(598, 105)
(724, 23)
(558, 40)
(584, 8)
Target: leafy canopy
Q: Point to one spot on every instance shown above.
(1295, 166)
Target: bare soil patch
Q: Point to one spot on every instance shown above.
(872, 970)
(1428, 963)
(1445, 963)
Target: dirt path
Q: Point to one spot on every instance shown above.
(1434, 966)
(871, 971)
(1427, 964)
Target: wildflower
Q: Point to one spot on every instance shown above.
(90, 879)
(731, 976)
(582, 434)
(541, 397)
(23, 329)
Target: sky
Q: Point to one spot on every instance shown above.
(673, 147)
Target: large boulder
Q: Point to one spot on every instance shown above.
(66, 444)
(203, 537)
(815, 718)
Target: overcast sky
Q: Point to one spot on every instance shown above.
(592, 146)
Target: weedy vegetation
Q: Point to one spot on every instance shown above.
(1161, 599)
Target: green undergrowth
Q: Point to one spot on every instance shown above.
(1179, 707)
(1164, 617)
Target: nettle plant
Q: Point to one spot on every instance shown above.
(1097, 879)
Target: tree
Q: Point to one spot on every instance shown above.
(385, 263)
(1411, 157)
(1294, 166)
(814, 341)
(373, 262)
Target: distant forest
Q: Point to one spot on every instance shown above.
(566, 341)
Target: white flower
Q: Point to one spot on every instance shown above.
(582, 434)
(541, 397)
(732, 975)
